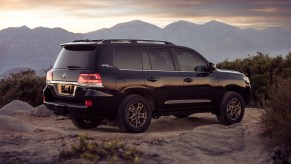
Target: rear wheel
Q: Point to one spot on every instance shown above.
(86, 124)
(232, 108)
(134, 114)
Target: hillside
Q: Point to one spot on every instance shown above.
(38, 48)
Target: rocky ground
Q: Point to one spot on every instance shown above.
(34, 135)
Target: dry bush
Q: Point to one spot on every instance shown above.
(277, 120)
(277, 115)
(25, 86)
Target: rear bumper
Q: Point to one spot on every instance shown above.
(104, 104)
(67, 109)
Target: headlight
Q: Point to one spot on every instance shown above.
(246, 79)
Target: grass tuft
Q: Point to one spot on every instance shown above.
(111, 151)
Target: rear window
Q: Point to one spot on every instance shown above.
(76, 57)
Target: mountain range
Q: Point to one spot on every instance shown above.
(22, 47)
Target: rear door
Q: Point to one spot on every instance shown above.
(72, 61)
(162, 77)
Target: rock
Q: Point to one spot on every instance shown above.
(41, 111)
(215, 139)
(12, 124)
(15, 107)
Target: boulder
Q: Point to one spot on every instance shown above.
(11, 124)
(41, 111)
(15, 107)
(216, 139)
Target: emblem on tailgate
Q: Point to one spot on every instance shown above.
(64, 76)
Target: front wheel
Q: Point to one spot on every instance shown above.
(134, 114)
(86, 124)
(232, 108)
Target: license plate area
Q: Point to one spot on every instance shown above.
(66, 89)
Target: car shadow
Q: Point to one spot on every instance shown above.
(171, 124)
(167, 124)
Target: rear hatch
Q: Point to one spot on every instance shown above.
(72, 62)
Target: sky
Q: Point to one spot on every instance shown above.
(89, 15)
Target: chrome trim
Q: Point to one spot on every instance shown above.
(188, 101)
(153, 70)
(160, 70)
(146, 70)
(73, 83)
(130, 70)
(173, 102)
(64, 82)
(56, 86)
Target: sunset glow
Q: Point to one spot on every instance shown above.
(88, 15)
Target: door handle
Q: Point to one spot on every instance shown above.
(188, 80)
(152, 79)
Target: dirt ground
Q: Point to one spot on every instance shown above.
(196, 139)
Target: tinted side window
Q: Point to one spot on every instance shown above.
(145, 60)
(161, 59)
(128, 58)
(106, 55)
(189, 60)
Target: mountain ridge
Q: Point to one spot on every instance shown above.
(38, 47)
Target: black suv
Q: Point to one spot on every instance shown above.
(129, 82)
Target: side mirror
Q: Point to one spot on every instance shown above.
(212, 66)
(200, 68)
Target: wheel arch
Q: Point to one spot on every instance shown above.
(144, 93)
(244, 92)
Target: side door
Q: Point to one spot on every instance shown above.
(162, 77)
(200, 85)
(128, 60)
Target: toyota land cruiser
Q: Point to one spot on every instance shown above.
(132, 81)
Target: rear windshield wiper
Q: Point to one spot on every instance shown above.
(73, 67)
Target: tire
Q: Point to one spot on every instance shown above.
(232, 108)
(134, 114)
(86, 124)
(181, 115)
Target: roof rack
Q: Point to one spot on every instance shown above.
(126, 41)
(136, 41)
(88, 40)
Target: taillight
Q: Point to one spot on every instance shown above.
(88, 103)
(49, 76)
(90, 80)
(43, 98)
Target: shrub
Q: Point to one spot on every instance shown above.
(277, 114)
(112, 151)
(277, 120)
(262, 70)
(25, 86)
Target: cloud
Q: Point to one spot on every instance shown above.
(56, 4)
(264, 12)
